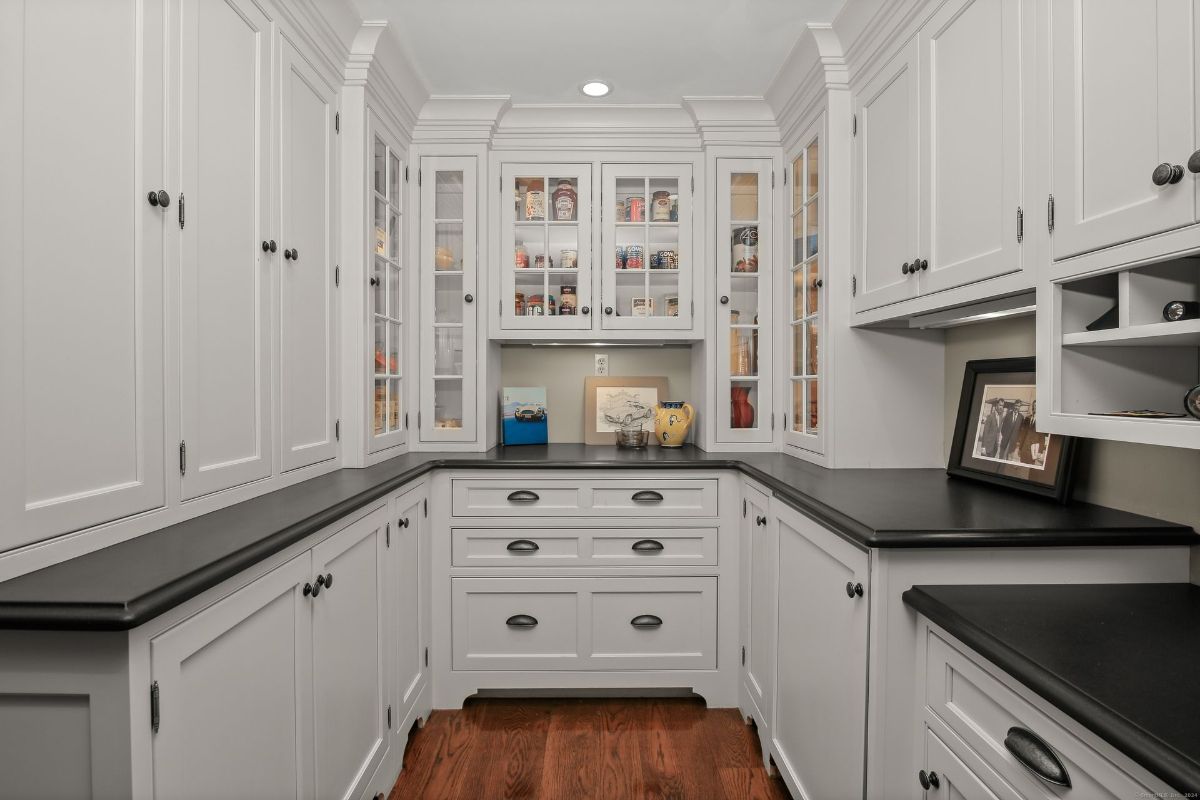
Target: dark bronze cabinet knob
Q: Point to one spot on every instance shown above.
(269, 246)
(374, 281)
(469, 298)
(760, 521)
(159, 199)
(608, 310)
(328, 580)
(585, 310)
(1194, 162)
(308, 589)
(924, 265)
(904, 268)
(1166, 173)
(928, 780)
(724, 299)
(854, 589)
(818, 283)
(291, 255)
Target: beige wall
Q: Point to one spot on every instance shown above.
(562, 370)
(1161, 482)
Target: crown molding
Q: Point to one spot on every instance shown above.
(733, 120)
(815, 67)
(460, 118)
(394, 89)
(576, 126)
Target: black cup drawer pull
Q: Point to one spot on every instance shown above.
(523, 546)
(646, 621)
(521, 621)
(1036, 756)
(523, 496)
(648, 546)
(647, 496)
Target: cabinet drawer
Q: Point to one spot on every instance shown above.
(540, 497)
(583, 547)
(584, 623)
(982, 710)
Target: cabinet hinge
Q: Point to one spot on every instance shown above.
(155, 708)
(183, 458)
(425, 505)
(693, 185)
(406, 173)
(785, 172)
(427, 656)
(853, 285)
(500, 183)
(743, 507)
(784, 428)
(1050, 214)
(743, 655)
(772, 179)
(337, 122)
(854, 124)
(389, 717)
(405, 420)
(418, 419)
(772, 420)
(692, 305)
(1020, 225)
(387, 535)
(337, 275)
(181, 217)
(418, 176)
(337, 430)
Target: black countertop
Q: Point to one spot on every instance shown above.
(126, 584)
(1120, 659)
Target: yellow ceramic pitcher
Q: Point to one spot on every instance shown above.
(672, 420)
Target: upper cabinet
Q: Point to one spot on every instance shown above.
(1123, 131)
(805, 298)
(939, 156)
(85, 205)
(387, 297)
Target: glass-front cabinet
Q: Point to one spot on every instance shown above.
(646, 247)
(388, 415)
(546, 250)
(806, 312)
(449, 209)
(743, 306)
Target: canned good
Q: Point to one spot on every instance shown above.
(535, 201)
(620, 257)
(566, 305)
(637, 209)
(519, 305)
(568, 259)
(521, 257)
(634, 257)
(661, 207)
(745, 249)
(666, 259)
(541, 262)
(620, 215)
(674, 208)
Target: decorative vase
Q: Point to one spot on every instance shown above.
(672, 420)
(741, 413)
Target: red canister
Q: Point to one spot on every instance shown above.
(637, 209)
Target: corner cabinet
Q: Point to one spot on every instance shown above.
(804, 296)
(387, 296)
(448, 269)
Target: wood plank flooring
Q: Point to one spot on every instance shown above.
(560, 749)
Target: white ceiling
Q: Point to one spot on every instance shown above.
(650, 51)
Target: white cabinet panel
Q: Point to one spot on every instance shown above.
(306, 324)
(408, 607)
(225, 357)
(760, 555)
(821, 696)
(347, 659)
(955, 779)
(505, 623)
(1124, 101)
(81, 293)
(970, 137)
(886, 110)
(235, 694)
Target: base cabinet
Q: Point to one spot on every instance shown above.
(759, 576)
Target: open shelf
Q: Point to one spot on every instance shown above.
(1185, 333)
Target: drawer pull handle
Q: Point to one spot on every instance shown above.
(648, 546)
(521, 621)
(647, 496)
(1036, 756)
(523, 546)
(523, 496)
(646, 621)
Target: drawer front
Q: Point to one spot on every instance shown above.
(960, 772)
(583, 547)
(670, 624)
(982, 710)
(541, 497)
(531, 624)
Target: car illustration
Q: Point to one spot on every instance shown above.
(628, 411)
(530, 413)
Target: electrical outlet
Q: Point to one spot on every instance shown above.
(601, 363)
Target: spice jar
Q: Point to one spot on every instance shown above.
(535, 201)
(519, 305)
(564, 201)
(661, 207)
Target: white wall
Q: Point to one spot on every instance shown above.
(562, 370)
(1155, 481)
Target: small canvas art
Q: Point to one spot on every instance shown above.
(523, 415)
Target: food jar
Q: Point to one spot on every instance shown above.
(620, 211)
(519, 305)
(568, 259)
(564, 201)
(661, 207)
(567, 303)
(535, 201)
(745, 249)
(636, 209)
(521, 258)
(633, 257)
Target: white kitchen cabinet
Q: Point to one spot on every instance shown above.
(1114, 120)
(408, 607)
(949, 776)
(759, 601)
(306, 318)
(448, 270)
(228, 246)
(81, 289)
(819, 726)
(388, 295)
(236, 711)
(349, 710)
(887, 182)
(742, 312)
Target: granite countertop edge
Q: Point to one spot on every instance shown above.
(1158, 757)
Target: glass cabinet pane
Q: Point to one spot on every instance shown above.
(380, 167)
(805, 360)
(380, 359)
(448, 246)
(448, 196)
(386, 296)
(743, 196)
(448, 403)
(394, 175)
(380, 227)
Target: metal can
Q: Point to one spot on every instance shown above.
(667, 259)
(633, 257)
(568, 259)
(637, 209)
(656, 260)
(661, 211)
(620, 257)
(521, 257)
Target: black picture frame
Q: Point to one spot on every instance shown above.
(995, 438)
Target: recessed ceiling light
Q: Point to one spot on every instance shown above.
(595, 88)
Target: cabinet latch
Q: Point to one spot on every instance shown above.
(183, 458)
(155, 709)
(337, 430)
(1049, 214)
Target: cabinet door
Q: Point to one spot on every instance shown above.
(955, 779)
(1124, 101)
(821, 697)
(347, 661)
(306, 319)
(388, 295)
(81, 294)
(225, 357)
(804, 289)
(545, 258)
(235, 694)
(760, 552)
(647, 263)
(971, 58)
(449, 227)
(886, 110)
(743, 307)
(407, 629)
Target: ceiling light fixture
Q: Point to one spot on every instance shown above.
(595, 88)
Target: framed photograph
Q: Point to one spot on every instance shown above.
(996, 438)
(523, 415)
(609, 403)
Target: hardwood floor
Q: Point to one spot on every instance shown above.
(535, 749)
